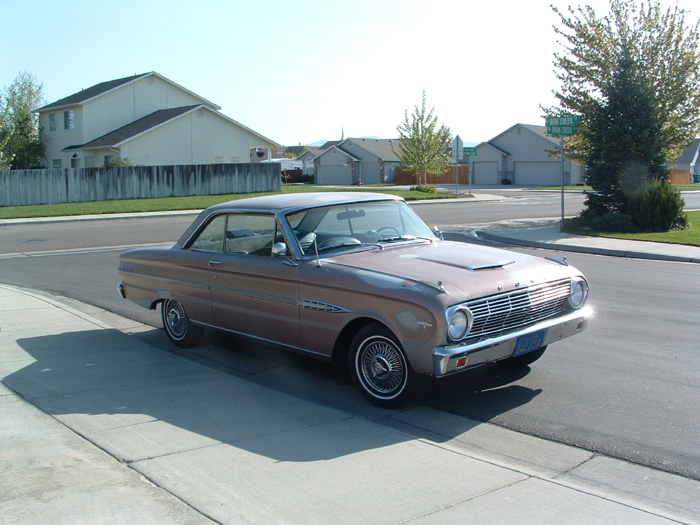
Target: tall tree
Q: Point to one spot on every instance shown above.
(625, 137)
(5, 134)
(22, 140)
(660, 41)
(423, 143)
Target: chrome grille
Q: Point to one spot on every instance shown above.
(499, 314)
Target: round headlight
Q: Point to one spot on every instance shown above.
(459, 325)
(579, 291)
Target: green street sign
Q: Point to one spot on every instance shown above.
(468, 152)
(561, 130)
(562, 121)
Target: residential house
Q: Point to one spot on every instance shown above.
(524, 155)
(686, 168)
(146, 119)
(356, 161)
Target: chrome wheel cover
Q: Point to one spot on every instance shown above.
(175, 319)
(381, 367)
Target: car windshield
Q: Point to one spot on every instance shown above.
(345, 226)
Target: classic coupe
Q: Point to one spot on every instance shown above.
(357, 278)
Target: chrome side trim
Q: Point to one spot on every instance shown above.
(169, 280)
(323, 307)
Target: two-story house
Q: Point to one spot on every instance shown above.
(146, 119)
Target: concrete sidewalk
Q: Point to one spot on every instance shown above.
(100, 427)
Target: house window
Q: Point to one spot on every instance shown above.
(57, 164)
(219, 160)
(235, 159)
(52, 121)
(74, 163)
(68, 119)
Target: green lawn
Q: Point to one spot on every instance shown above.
(178, 203)
(690, 236)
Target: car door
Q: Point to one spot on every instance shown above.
(252, 291)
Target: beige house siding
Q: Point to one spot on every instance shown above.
(198, 137)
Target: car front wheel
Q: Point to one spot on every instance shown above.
(379, 368)
(178, 326)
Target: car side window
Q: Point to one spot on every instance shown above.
(250, 234)
(212, 237)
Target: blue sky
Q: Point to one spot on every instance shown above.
(301, 71)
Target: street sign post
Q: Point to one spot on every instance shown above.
(469, 152)
(562, 126)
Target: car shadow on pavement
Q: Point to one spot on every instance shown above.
(137, 401)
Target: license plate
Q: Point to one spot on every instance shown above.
(529, 343)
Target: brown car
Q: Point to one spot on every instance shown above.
(356, 277)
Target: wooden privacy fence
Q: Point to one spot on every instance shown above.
(54, 186)
(410, 178)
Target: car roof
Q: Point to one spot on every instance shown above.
(292, 201)
(285, 203)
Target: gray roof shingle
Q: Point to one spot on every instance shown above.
(91, 92)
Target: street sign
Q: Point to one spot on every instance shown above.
(457, 148)
(469, 152)
(563, 121)
(561, 130)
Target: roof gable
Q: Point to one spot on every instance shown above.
(382, 148)
(102, 88)
(532, 128)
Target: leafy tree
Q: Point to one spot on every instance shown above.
(5, 134)
(422, 143)
(663, 45)
(21, 144)
(625, 139)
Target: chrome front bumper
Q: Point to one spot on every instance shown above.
(457, 358)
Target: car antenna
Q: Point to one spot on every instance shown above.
(318, 259)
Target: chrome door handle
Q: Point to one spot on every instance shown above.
(215, 263)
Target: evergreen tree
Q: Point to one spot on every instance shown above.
(626, 139)
(422, 143)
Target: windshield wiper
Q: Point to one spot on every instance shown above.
(398, 238)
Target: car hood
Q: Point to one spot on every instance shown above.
(460, 268)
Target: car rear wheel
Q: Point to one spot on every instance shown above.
(379, 368)
(523, 360)
(178, 326)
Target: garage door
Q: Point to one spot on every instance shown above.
(334, 174)
(485, 173)
(537, 173)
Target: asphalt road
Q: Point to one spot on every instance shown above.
(629, 387)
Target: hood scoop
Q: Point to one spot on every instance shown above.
(492, 266)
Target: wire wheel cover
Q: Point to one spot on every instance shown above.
(382, 367)
(176, 320)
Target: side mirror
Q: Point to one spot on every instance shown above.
(279, 249)
(437, 233)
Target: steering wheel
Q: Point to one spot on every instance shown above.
(377, 233)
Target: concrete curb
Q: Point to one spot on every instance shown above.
(592, 250)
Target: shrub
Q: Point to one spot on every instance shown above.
(657, 207)
(613, 222)
(424, 189)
